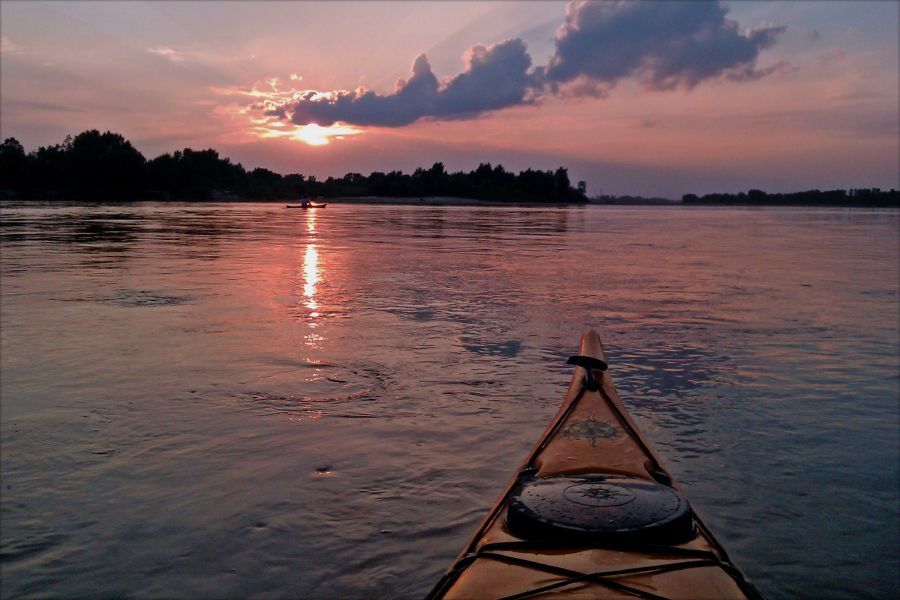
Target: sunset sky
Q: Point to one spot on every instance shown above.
(651, 99)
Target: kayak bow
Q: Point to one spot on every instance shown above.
(592, 513)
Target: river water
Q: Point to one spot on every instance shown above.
(241, 400)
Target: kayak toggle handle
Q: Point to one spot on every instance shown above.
(588, 363)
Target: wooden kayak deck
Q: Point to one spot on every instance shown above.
(591, 433)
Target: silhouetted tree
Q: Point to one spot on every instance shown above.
(12, 164)
(561, 181)
(101, 165)
(100, 162)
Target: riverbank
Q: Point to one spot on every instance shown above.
(369, 200)
(9, 200)
(438, 201)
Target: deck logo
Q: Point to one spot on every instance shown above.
(591, 430)
(595, 493)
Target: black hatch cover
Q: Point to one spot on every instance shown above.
(604, 507)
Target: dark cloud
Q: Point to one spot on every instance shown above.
(667, 45)
(495, 77)
(412, 100)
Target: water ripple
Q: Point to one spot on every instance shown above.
(233, 402)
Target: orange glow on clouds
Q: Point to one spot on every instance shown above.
(268, 98)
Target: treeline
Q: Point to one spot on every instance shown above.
(106, 166)
(632, 200)
(867, 197)
(484, 183)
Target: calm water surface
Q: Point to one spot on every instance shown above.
(240, 400)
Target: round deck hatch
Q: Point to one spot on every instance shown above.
(609, 507)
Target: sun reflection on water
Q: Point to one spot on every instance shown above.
(311, 266)
(312, 275)
(311, 278)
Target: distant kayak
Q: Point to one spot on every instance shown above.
(592, 514)
(310, 205)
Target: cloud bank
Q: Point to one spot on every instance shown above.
(665, 45)
(495, 77)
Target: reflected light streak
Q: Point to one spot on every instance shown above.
(311, 277)
(311, 415)
(315, 341)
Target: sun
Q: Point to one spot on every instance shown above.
(311, 133)
(316, 135)
(269, 116)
